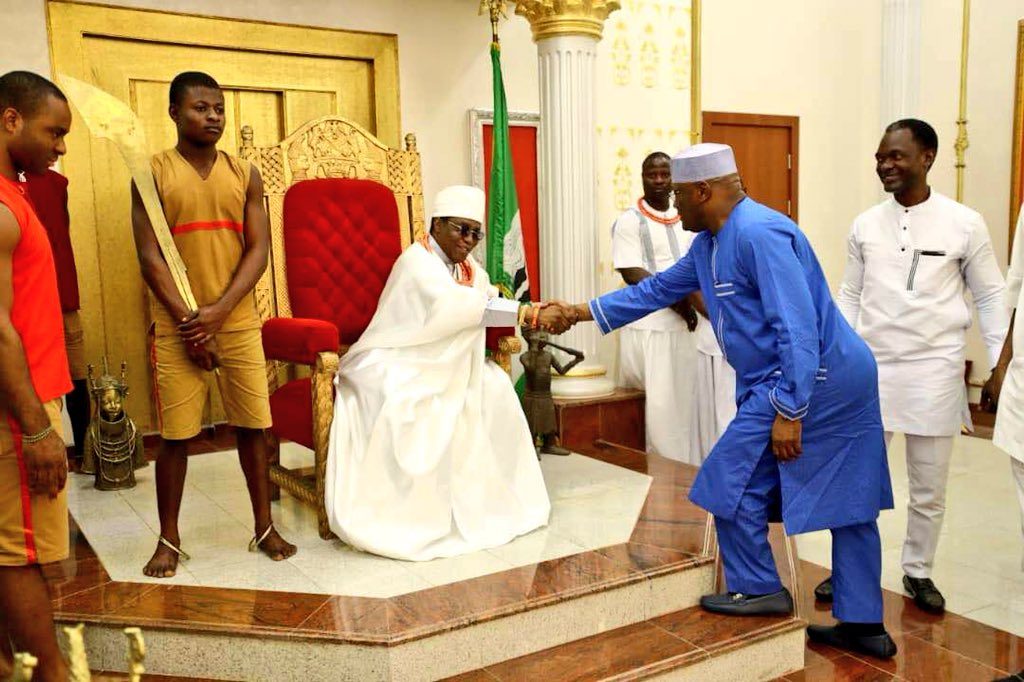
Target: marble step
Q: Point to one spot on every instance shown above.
(405, 639)
(685, 645)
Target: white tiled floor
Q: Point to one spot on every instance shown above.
(594, 504)
(978, 564)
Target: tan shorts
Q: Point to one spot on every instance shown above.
(74, 341)
(181, 386)
(33, 528)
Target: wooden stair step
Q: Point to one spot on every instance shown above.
(690, 644)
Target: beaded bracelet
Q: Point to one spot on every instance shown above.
(35, 438)
(523, 310)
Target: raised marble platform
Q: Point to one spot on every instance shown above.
(392, 620)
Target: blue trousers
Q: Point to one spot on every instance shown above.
(750, 567)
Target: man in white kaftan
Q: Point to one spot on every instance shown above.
(1006, 387)
(671, 354)
(430, 452)
(911, 259)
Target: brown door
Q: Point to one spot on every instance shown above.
(766, 154)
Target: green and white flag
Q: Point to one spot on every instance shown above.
(506, 257)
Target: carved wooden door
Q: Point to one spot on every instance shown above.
(273, 87)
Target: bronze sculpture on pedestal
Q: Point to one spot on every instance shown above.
(538, 404)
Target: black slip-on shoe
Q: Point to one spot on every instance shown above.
(879, 646)
(738, 604)
(925, 594)
(823, 592)
(1019, 677)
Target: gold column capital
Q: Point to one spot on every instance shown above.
(549, 18)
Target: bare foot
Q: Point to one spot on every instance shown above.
(164, 563)
(276, 547)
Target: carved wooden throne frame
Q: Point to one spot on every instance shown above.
(327, 147)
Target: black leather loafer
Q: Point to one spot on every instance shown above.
(925, 594)
(738, 604)
(823, 592)
(879, 646)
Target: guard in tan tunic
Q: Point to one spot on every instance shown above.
(213, 203)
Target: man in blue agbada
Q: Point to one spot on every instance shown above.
(807, 440)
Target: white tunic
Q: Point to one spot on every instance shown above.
(430, 452)
(691, 390)
(907, 272)
(634, 239)
(1009, 431)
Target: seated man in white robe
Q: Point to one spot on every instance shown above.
(430, 452)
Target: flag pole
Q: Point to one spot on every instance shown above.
(496, 9)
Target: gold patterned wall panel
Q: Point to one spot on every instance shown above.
(275, 79)
(644, 102)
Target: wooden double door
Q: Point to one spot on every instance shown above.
(275, 79)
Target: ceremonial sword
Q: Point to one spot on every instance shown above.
(108, 117)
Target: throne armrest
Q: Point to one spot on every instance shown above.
(503, 344)
(298, 340)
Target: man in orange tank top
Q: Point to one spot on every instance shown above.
(213, 203)
(34, 118)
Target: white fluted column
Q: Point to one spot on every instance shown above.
(567, 33)
(568, 195)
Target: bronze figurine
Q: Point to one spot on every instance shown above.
(538, 404)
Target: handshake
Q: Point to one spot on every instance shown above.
(555, 317)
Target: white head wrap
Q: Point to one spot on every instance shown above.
(460, 201)
(703, 162)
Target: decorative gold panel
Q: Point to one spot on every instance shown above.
(275, 78)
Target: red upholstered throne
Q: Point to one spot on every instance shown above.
(342, 208)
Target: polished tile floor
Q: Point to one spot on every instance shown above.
(594, 504)
(978, 564)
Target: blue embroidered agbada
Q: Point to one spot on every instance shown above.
(794, 354)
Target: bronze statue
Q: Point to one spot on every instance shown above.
(538, 404)
(113, 446)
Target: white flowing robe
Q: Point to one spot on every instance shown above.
(1009, 430)
(430, 453)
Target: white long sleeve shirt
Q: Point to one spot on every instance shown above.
(907, 272)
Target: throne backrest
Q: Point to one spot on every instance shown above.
(329, 147)
(341, 239)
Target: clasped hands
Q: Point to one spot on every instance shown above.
(197, 331)
(556, 317)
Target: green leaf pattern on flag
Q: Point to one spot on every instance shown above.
(506, 257)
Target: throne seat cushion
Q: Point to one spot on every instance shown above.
(291, 407)
(299, 340)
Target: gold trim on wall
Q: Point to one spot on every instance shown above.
(961, 143)
(696, 126)
(1018, 136)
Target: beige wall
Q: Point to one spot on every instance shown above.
(819, 60)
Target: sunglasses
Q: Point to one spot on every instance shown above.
(465, 231)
